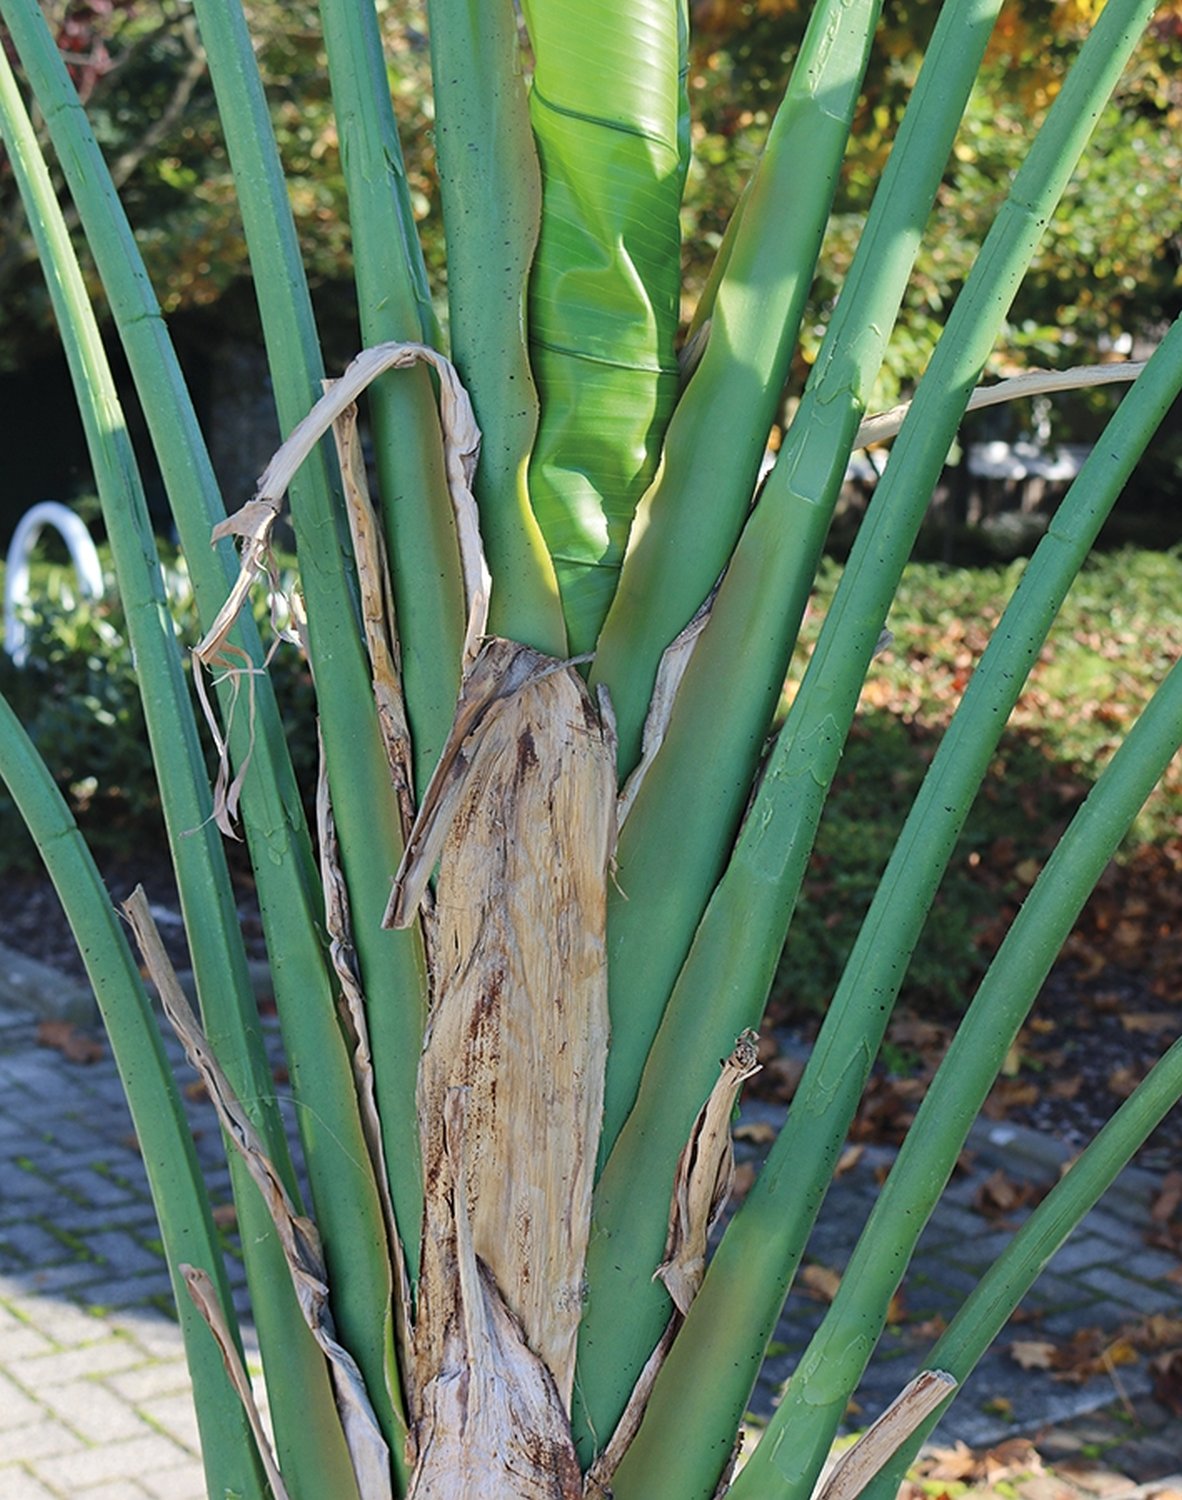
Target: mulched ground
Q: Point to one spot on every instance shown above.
(1109, 1009)
(35, 924)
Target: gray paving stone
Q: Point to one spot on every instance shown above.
(1119, 1228)
(122, 1253)
(979, 1250)
(1133, 1294)
(18, 1185)
(96, 1189)
(101, 1358)
(1083, 1250)
(93, 1412)
(1095, 1314)
(117, 1489)
(144, 1290)
(175, 1416)
(17, 1409)
(73, 1472)
(931, 1268)
(73, 1277)
(45, 1438)
(24, 1343)
(950, 1222)
(157, 1335)
(60, 1322)
(82, 1219)
(159, 1378)
(16, 1483)
(1151, 1265)
(184, 1483)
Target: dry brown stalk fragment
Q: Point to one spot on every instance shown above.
(674, 661)
(701, 1187)
(205, 1299)
(297, 1234)
(885, 424)
(702, 1181)
(882, 1439)
(253, 523)
(377, 609)
(352, 1006)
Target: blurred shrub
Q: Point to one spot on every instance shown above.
(78, 698)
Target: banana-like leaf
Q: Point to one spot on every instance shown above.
(723, 984)
(603, 305)
(364, 802)
(408, 450)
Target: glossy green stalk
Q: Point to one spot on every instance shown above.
(793, 1448)
(491, 191)
(408, 448)
(690, 516)
(308, 1431)
(990, 1304)
(724, 983)
(182, 1208)
(688, 810)
(392, 964)
(603, 303)
(747, 1264)
(272, 815)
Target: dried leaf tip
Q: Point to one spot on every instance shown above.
(704, 1175)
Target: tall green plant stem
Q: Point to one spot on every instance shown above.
(797, 1439)
(603, 300)
(272, 815)
(170, 1160)
(307, 1429)
(799, 1435)
(691, 514)
(735, 674)
(687, 811)
(993, 1300)
(392, 963)
(491, 191)
(731, 973)
(394, 305)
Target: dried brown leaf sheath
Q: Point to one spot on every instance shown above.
(702, 1182)
(520, 818)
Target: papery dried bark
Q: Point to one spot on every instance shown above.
(885, 424)
(701, 1186)
(491, 1423)
(338, 925)
(519, 817)
(672, 668)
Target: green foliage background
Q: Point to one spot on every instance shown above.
(1111, 265)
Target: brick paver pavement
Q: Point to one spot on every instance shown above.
(94, 1396)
